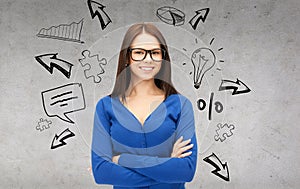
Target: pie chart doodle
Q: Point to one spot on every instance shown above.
(171, 15)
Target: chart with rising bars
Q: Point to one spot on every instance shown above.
(65, 32)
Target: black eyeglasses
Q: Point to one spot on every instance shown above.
(139, 54)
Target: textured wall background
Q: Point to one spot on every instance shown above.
(255, 41)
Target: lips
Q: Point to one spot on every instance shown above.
(146, 68)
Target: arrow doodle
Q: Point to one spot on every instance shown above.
(215, 161)
(97, 9)
(58, 141)
(238, 86)
(50, 61)
(200, 15)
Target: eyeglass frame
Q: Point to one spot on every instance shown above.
(147, 51)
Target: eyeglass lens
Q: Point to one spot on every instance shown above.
(139, 54)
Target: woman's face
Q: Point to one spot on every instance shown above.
(145, 57)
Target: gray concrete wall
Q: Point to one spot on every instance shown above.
(254, 41)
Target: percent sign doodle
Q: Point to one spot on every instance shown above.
(202, 104)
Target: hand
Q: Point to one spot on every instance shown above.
(180, 147)
(115, 159)
(90, 170)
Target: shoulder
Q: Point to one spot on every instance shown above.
(178, 102)
(104, 101)
(179, 98)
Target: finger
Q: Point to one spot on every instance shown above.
(175, 146)
(185, 154)
(178, 140)
(183, 149)
(184, 143)
(90, 170)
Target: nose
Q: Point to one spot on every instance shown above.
(148, 57)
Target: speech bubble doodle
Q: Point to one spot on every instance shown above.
(63, 100)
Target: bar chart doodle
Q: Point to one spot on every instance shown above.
(65, 32)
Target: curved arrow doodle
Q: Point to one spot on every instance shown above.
(97, 9)
(58, 140)
(50, 61)
(238, 86)
(200, 15)
(215, 161)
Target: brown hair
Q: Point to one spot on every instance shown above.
(163, 77)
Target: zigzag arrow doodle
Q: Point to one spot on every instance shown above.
(50, 61)
(97, 9)
(58, 140)
(216, 162)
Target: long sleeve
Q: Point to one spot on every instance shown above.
(169, 170)
(104, 170)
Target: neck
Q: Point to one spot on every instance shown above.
(143, 88)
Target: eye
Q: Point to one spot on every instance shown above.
(138, 52)
(156, 52)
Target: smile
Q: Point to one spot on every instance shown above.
(146, 68)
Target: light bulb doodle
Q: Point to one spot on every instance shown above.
(203, 59)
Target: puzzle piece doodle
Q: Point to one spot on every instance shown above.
(43, 124)
(93, 65)
(223, 131)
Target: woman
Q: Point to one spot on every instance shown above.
(144, 133)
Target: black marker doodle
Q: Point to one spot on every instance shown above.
(65, 32)
(220, 49)
(97, 9)
(171, 15)
(215, 161)
(43, 124)
(50, 61)
(63, 100)
(211, 41)
(92, 63)
(200, 15)
(238, 86)
(202, 104)
(58, 140)
(203, 59)
(223, 131)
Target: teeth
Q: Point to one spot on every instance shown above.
(146, 68)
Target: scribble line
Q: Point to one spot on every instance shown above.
(66, 99)
(63, 104)
(212, 40)
(62, 94)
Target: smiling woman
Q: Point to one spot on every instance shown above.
(144, 132)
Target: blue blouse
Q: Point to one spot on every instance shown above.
(144, 150)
